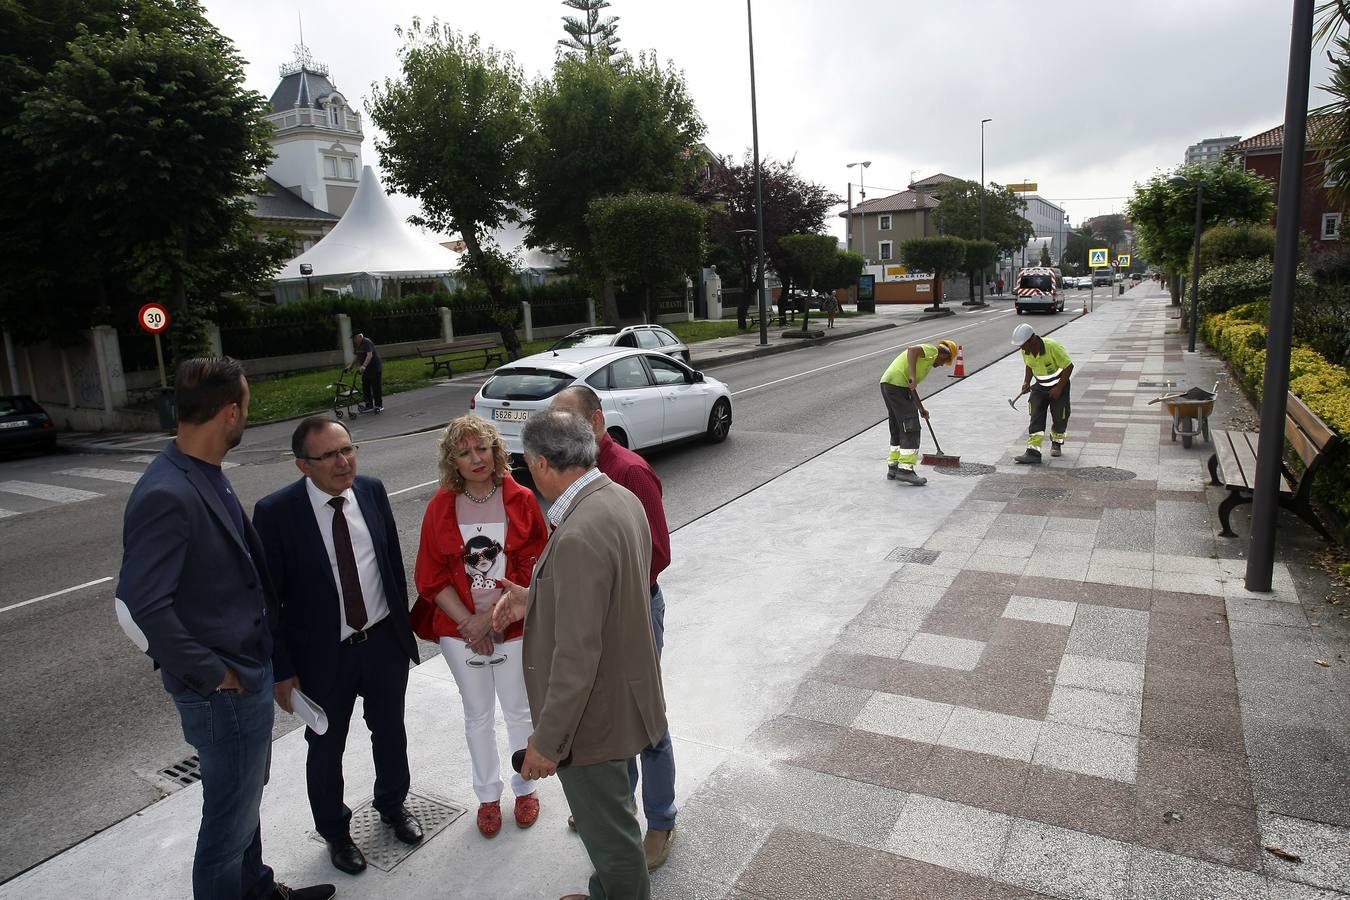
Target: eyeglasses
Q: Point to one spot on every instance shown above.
(468, 452)
(487, 553)
(348, 451)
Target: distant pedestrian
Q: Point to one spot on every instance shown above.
(195, 580)
(830, 305)
(1048, 368)
(998, 285)
(372, 373)
(900, 392)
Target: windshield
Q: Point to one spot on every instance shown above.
(10, 405)
(525, 384)
(1038, 282)
(584, 340)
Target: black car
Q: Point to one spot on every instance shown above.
(23, 423)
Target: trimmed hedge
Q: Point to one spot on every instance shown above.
(1240, 335)
(1246, 281)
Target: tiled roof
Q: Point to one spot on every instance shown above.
(279, 202)
(933, 180)
(1273, 139)
(905, 201)
(302, 88)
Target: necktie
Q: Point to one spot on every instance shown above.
(353, 603)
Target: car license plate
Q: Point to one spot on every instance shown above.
(18, 424)
(510, 415)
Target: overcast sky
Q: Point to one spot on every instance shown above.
(1086, 99)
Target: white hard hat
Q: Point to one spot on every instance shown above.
(1022, 333)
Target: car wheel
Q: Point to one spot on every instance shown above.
(719, 421)
(1020, 310)
(617, 435)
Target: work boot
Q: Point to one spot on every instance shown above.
(1031, 457)
(1055, 448)
(909, 476)
(891, 469)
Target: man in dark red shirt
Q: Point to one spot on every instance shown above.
(626, 468)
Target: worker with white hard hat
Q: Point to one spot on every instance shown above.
(1048, 367)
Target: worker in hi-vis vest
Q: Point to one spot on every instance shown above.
(900, 391)
(1048, 368)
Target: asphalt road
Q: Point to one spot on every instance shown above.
(85, 724)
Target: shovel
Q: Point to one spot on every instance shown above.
(939, 458)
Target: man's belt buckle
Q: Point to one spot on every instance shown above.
(357, 637)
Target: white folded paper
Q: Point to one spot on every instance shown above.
(129, 626)
(309, 712)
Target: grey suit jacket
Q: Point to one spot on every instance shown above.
(591, 669)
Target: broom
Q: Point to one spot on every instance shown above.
(939, 458)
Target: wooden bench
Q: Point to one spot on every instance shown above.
(442, 356)
(1233, 465)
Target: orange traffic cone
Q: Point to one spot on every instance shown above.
(960, 371)
(1085, 309)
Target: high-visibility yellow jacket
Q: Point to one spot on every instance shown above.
(898, 371)
(1047, 367)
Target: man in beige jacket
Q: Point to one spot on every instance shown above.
(591, 669)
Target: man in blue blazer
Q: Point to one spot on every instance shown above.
(343, 626)
(194, 579)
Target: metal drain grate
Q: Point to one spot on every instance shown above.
(184, 772)
(376, 839)
(965, 470)
(913, 555)
(1157, 384)
(1103, 473)
(1044, 493)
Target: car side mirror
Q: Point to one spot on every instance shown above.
(698, 378)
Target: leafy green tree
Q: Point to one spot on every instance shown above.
(792, 205)
(454, 126)
(938, 255)
(649, 240)
(134, 152)
(1045, 255)
(958, 215)
(808, 258)
(980, 257)
(1110, 228)
(1164, 213)
(1224, 244)
(604, 128)
(843, 274)
(591, 34)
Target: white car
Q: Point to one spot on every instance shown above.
(648, 397)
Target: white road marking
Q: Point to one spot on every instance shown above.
(151, 458)
(78, 587)
(844, 362)
(414, 487)
(119, 475)
(49, 492)
(7, 512)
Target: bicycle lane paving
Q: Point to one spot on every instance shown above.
(959, 690)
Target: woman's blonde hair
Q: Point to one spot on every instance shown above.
(461, 431)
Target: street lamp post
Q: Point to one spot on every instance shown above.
(862, 196)
(759, 192)
(1195, 260)
(984, 273)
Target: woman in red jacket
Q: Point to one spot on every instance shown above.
(480, 526)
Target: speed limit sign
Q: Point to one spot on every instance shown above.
(153, 318)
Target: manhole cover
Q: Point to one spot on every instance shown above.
(184, 772)
(1103, 473)
(912, 555)
(376, 839)
(965, 470)
(1044, 493)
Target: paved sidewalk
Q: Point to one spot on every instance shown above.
(1030, 683)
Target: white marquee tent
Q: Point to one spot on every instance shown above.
(370, 252)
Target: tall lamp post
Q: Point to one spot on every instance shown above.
(984, 273)
(862, 196)
(1195, 261)
(759, 191)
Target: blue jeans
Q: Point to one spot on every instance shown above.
(658, 760)
(232, 733)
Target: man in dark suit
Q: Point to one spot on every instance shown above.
(591, 669)
(343, 625)
(195, 581)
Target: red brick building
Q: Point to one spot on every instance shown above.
(1320, 219)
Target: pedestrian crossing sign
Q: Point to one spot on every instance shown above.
(1123, 260)
(1097, 259)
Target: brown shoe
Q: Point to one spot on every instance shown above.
(490, 818)
(656, 847)
(527, 810)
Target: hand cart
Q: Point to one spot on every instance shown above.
(346, 394)
(1190, 413)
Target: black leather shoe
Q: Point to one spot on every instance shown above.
(406, 827)
(313, 892)
(346, 856)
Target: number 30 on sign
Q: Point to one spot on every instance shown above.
(153, 318)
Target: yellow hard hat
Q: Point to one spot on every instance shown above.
(950, 346)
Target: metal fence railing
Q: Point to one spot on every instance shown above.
(570, 311)
(397, 328)
(279, 339)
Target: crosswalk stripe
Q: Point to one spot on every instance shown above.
(104, 474)
(51, 492)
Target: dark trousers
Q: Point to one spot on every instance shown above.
(372, 385)
(377, 671)
(1041, 403)
(607, 824)
(902, 414)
